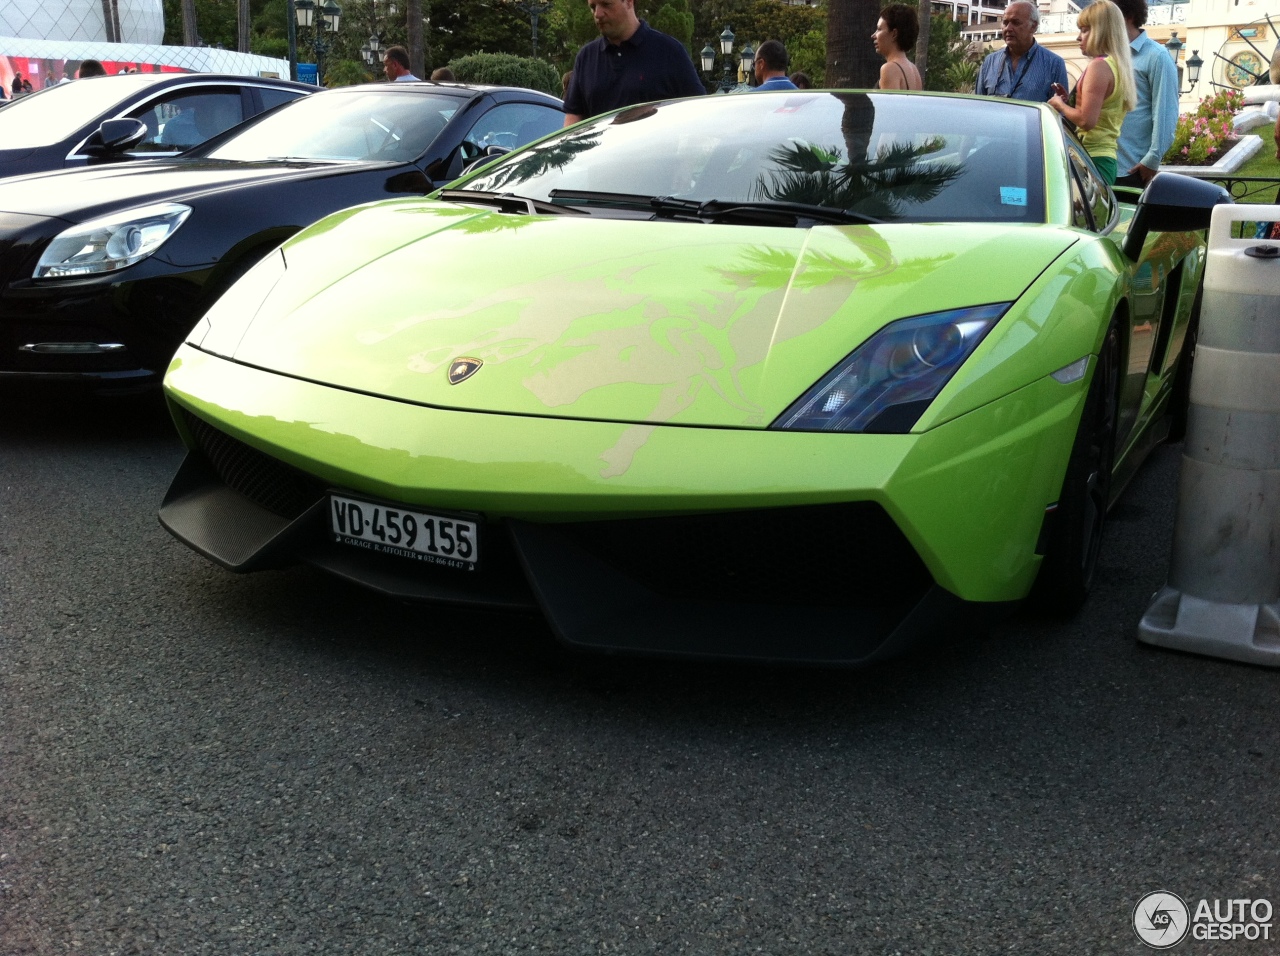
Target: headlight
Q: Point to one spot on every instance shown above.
(112, 242)
(886, 383)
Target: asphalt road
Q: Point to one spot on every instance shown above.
(195, 762)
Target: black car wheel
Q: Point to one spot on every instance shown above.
(1076, 538)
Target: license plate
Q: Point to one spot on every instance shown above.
(447, 540)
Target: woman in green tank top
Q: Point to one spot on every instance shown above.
(1106, 90)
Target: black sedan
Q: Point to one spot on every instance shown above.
(104, 270)
(61, 127)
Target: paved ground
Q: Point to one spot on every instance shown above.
(193, 762)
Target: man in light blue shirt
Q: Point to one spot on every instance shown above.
(1023, 70)
(771, 67)
(1148, 129)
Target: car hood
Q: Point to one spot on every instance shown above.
(606, 319)
(77, 195)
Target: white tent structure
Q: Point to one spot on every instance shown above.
(141, 21)
(40, 37)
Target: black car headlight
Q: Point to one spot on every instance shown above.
(110, 242)
(886, 383)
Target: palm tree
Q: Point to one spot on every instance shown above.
(413, 27)
(852, 62)
(925, 15)
(190, 35)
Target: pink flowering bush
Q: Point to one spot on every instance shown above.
(1203, 136)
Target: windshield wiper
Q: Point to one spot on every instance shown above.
(788, 213)
(761, 212)
(506, 202)
(668, 205)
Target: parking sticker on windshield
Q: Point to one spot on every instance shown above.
(1013, 196)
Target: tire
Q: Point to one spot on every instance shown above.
(1075, 541)
(1180, 399)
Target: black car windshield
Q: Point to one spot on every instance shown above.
(53, 114)
(369, 125)
(884, 156)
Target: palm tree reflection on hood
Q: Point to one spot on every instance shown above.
(878, 185)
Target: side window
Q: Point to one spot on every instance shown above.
(270, 97)
(1080, 217)
(513, 124)
(1088, 191)
(188, 118)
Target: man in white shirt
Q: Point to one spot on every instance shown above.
(396, 64)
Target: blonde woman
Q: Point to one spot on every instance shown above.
(1106, 90)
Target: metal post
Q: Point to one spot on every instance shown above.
(293, 40)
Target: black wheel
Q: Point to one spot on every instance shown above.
(1075, 541)
(1180, 400)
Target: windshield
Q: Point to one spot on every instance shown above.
(52, 115)
(370, 125)
(890, 157)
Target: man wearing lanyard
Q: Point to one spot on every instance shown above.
(1023, 70)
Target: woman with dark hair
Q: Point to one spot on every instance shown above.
(895, 34)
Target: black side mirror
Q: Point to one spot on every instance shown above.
(116, 136)
(1173, 203)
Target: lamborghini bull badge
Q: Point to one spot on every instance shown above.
(461, 369)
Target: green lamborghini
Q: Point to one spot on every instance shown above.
(776, 376)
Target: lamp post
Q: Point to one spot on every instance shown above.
(708, 57)
(534, 9)
(374, 47)
(372, 50)
(1194, 63)
(329, 16)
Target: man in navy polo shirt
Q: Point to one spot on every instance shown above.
(630, 63)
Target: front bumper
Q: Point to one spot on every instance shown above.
(108, 333)
(742, 542)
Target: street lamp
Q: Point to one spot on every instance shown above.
(747, 61)
(330, 14)
(1194, 63)
(534, 9)
(708, 57)
(372, 50)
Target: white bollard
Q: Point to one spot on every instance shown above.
(1223, 593)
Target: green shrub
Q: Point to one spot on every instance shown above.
(504, 69)
(346, 73)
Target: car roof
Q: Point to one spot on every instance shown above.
(430, 86)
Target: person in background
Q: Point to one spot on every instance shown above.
(629, 63)
(896, 33)
(17, 84)
(771, 67)
(1023, 70)
(1149, 127)
(1106, 90)
(801, 80)
(395, 63)
(443, 75)
(90, 68)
